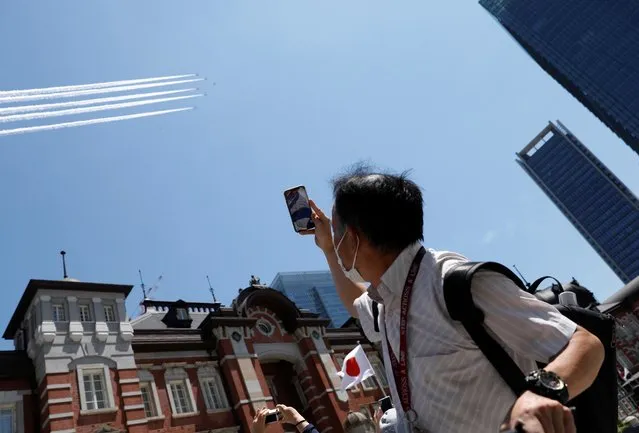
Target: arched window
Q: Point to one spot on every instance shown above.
(212, 389)
(150, 398)
(180, 392)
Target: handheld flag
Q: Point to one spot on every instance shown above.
(356, 368)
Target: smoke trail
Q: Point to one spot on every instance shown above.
(16, 131)
(10, 99)
(33, 116)
(81, 103)
(88, 86)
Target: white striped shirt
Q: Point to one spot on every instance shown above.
(454, 388)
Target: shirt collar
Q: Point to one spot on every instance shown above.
(392, 282)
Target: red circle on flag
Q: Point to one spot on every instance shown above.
(352, 367)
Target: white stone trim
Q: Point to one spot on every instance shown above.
(54, 386)
(172, 355)
(324, 418)
(320, 395)
(107, 382)
(137, 421)
(71, 430)
(126, 381)
(132, 394)
(318, 408)
(227, 357)
(134, 407)
(185, 415)
(98, 411)
(255, 400)
(57, 416)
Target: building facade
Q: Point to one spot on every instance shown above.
(80, 366)
(313, 291)
(624, 307)
(594, 200)
(588, 47)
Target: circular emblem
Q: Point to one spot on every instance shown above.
(315, 335)
(236, 336)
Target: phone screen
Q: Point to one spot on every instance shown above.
(385, 404)
(299, 208)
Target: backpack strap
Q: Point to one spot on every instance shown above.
(461, 307)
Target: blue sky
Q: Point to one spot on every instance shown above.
(302, 89)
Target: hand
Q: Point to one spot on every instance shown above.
(377, 417)
(322, 231)
(259, 422)
(541, 415)
(289, 414)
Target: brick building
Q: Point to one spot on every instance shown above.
(624, 306)
(80, 366)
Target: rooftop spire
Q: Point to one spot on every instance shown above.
(64, 264)
(211, 289)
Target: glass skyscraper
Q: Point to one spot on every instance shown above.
(595, 201)
(589, 47)
(314, 291)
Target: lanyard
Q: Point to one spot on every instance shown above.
(400, 368)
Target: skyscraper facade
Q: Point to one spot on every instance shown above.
(595, 201)
(589, 47)
(314, 291)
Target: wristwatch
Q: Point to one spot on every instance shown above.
(548, 384)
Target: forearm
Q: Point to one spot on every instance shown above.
(579, 363)
(347, 290)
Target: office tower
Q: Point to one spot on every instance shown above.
(595, 201)
(589, 47)
(314, 291)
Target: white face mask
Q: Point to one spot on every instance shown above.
(352, 273)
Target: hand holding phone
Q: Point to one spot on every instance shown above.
(273, 415)
(299, 208)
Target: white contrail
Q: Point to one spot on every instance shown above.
(89, 86)
(71, 111)
(82, 103)
(16, 131)
(10, 99)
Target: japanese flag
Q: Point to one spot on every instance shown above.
(356, 368)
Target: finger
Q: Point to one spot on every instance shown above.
(307, 232)
(545, 419)
(569, 421)
(557, 414)
(317, 210)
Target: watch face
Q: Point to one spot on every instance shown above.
(551, 381)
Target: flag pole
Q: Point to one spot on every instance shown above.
(379, 384)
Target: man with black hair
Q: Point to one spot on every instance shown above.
(440, 380)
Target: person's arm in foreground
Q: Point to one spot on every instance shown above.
(537, 330)
(347, 290)
(293, 417)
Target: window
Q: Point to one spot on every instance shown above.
(180, 398)
(214, 394)
(95, 396)
(379, 373)
(85, 313)
(264, 327)
(109, 313)
(59, 315)
(95, 389)
(150, 408)
(300, 392)
(369, 384)
(182, 314)
(179, 390)
(150, 397)
(7, 419)
(212, 389)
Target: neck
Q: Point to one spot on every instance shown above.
(378, 265)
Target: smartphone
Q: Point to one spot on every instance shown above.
(299, 208)
(385, 404)
(273, 415)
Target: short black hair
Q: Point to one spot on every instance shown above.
(388, 209)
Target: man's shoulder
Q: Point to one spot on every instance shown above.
(446, 260)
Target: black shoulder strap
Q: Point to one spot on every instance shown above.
(462, 308)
